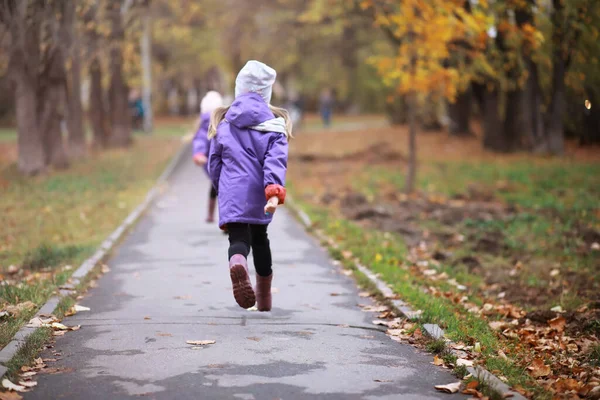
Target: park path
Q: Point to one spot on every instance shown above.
(169, 283)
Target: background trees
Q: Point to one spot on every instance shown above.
(522, 69)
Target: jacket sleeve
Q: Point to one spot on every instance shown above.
(275, 168)
(200, 142)
(215, 162)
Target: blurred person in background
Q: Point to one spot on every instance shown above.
(247, 165)
(136, 108)
(326, 106)
(201, 144)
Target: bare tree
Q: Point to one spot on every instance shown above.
(118, 90)
(24, 20)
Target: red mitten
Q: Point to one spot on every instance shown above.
(275, 191)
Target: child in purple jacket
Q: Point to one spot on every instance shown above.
(247, 165)
(201, 144)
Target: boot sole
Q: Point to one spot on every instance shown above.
(242, 288)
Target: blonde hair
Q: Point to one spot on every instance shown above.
(218, 116)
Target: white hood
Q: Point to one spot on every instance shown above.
(272, 125)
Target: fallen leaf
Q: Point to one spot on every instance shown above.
(558, 323)
(147, 318)
(464, 362)
(557, 309)
(12, 269)
(364, 294)
(10, 396)
(28, 384)
(347, 254)
(11, 386)
(105, 269)
(418, 334)
(164, 334)
(497, 325)
(369, 308)
(538, 368)
(3, 314)
(28, 374)
(449, 388)
(59, 333)
(256, 339)
(59, 326)
(437, 361)
(19, 308)
(200, 342)
(79, 308)
(334, 294)
(472, 384)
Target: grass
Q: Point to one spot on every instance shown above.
(51, 223)
(384, 253)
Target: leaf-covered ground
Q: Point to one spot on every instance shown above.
(51, 223)
(500, 250)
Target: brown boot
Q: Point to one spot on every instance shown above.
(212, 204)
(240, 280)
(263, 292)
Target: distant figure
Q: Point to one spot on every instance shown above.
(247, 165)
(201, 145)
(136, 109)
(326, 106)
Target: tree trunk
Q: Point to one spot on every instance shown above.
(97, 111)
(146, 49)
(493, 125)
(555, 129)
(77, 145)
(50, 119)
(532, 104)
(412, 145)
(31, 151)
(52, 107)
(460, 113)
(515, 121)
(118, 91)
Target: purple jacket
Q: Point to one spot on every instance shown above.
(201, 144)
(244, 161)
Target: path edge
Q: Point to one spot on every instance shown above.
(434, 331)
(86, 268)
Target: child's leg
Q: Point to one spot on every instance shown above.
(239, 239)
(239, 247)
(261, 249)
(212, 204)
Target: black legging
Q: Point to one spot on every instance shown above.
(213, 192)
(242, 237)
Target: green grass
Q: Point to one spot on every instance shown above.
(384, 254)
(59, 219)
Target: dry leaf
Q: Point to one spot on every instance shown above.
(200, 342)
(28, 384)
(164, 334)
(334, 294)
(473, 384)
(437, 361)
(28, 374)
(58, 326)
(364, 294)
(417, 334)
(449, 388)
(10, 396)
(369, 308)
(538, 368)
(256, 339)
(497, 325)
(79, 308)
(464, 362)
(558, 323)
(11, 386)
(147, 318)
(105, 269)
